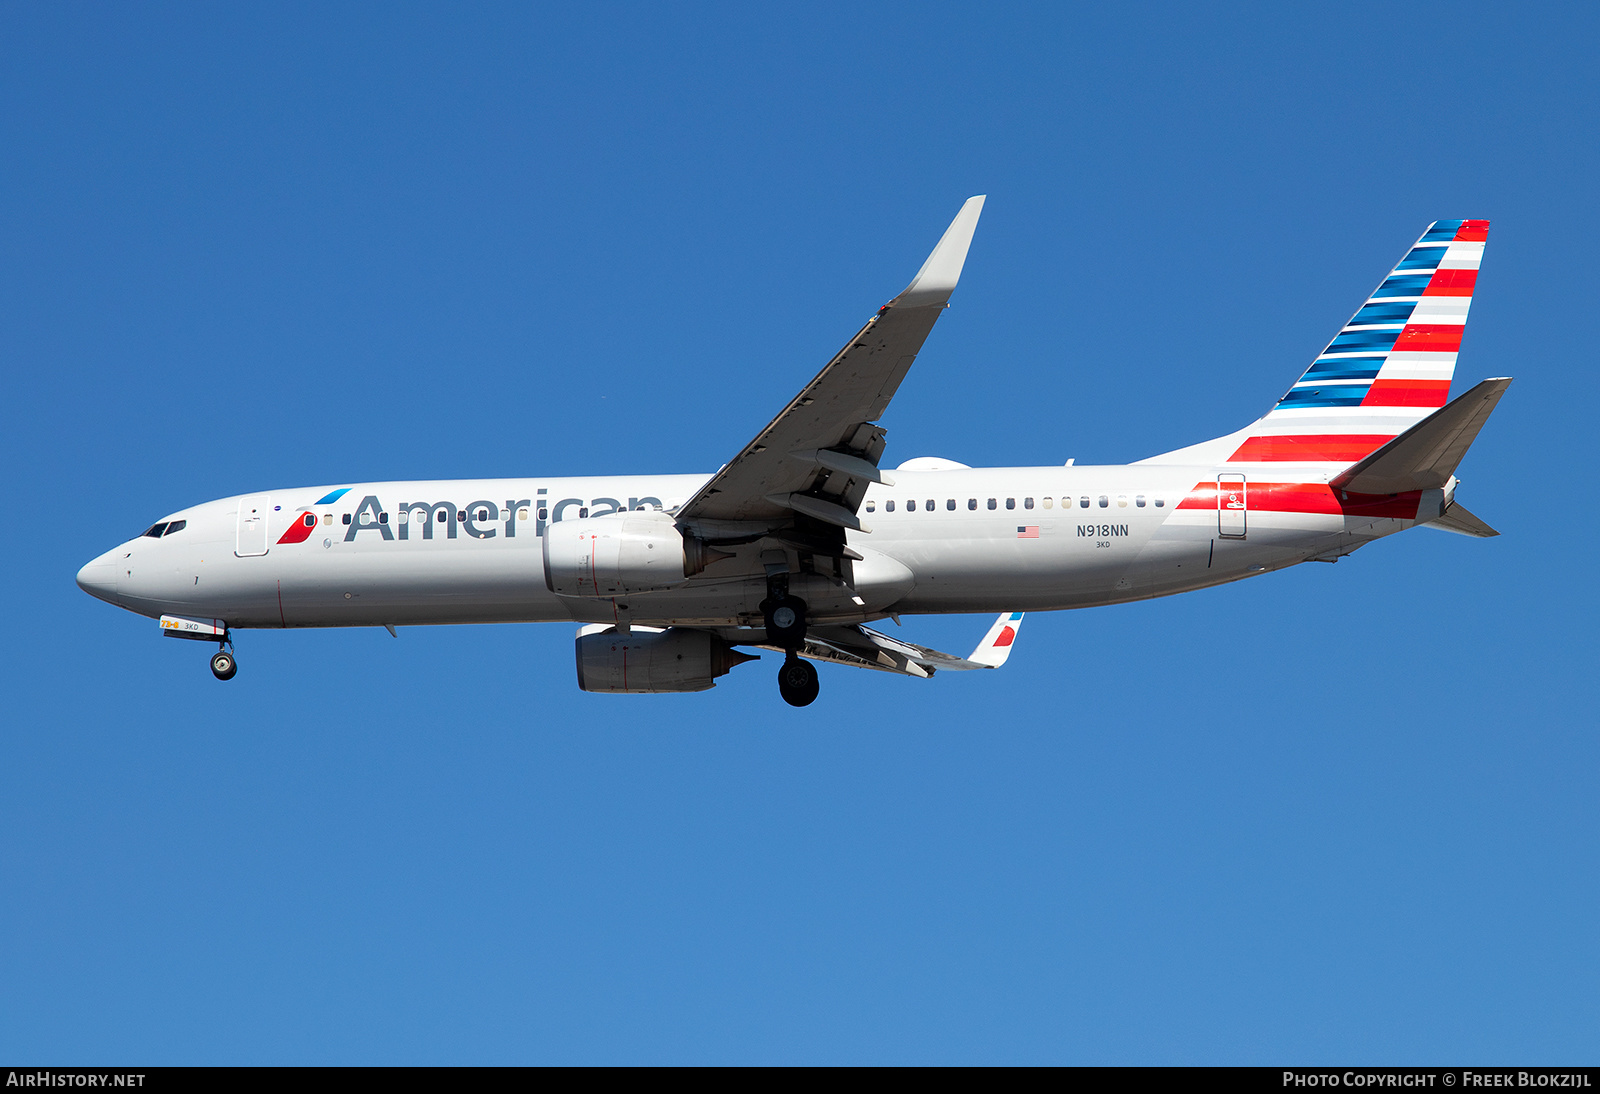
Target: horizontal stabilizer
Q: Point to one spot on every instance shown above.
(1426, 455)
(1456, 519)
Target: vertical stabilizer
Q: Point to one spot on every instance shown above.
(1388, 368)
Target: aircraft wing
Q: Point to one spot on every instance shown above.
(818, 455)
(863, 647)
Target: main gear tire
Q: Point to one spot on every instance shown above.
(223, 666)
(797, 682)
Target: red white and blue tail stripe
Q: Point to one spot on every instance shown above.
(1400, 348)
(1389, 367)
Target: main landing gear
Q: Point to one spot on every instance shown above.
(785, 620)
(797, 681)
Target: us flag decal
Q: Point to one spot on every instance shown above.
(1030, 531)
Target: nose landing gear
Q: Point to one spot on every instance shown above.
(224, 664)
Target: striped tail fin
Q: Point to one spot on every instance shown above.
(1388, 368)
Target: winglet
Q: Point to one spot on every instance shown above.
(937, 279)
(996, 645)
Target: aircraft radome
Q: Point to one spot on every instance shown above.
(802, 539)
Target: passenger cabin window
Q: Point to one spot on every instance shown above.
(1083, 502)
(155, 530)
(872, 507)
(1027, 503)
(522, 514)
(991, 503)
(911, 506)
(930, 505)
(950, 504)
(1122, 501)
(1139, 501)
(327, 518)
(309, 520)
(1011, 503)
(1104, 501)
(544, 512)
(1159, 503)
(1047, 503)
(972, 503)
(888, 506)
(383, 518)
(583, 512)
(347, 518)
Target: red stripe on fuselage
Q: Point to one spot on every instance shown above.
(1314, 448)
(1309, 497)
(1407, 393)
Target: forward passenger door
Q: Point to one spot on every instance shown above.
(252, 534)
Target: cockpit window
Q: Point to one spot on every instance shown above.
(155, 530)
(175, 526)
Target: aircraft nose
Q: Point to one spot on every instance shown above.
(99, 578)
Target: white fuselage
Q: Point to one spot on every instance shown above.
(1054, 538)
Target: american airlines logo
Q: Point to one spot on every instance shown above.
(481, 519)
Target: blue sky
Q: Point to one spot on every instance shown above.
(1338, 814)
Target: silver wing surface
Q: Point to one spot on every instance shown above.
(863, 647)
(809, 468)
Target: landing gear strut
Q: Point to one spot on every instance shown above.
(797, 682)
(785, 619)
(223, 663)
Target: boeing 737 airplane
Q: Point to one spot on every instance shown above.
(801, 540)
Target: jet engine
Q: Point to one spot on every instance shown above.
(630, 552)
(648, 660)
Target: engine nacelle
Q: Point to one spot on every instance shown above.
(649, 660)
(631, 552)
